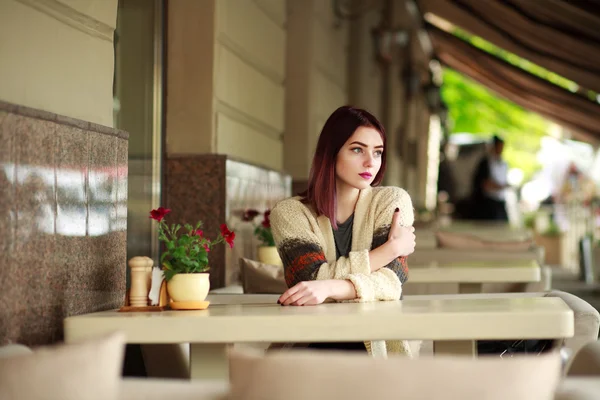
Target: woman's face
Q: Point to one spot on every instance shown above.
(359, 159)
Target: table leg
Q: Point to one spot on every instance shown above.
(465, 288)
(208, 361)
(455, 347)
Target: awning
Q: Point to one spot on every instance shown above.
(561, 36)
(555, 103)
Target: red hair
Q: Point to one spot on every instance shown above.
(339, 127)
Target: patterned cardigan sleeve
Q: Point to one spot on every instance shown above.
(386, 283)
(301, 251)
(304, 259)
(401, 200)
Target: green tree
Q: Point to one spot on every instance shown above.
(475, 109)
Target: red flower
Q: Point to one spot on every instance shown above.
(159, 213)
(198, 232)
(206, 247)
(228, 235)
(249, 215)
(267, 221)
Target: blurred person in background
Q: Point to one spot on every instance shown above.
(490, 184)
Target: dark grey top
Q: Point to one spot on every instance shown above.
(343, 238)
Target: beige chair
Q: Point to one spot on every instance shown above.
(162, 389)
(285, 374)
(583, 375)
(484, 239)
(531, 378)
(578, 389)
(586, 362)
(587, 323)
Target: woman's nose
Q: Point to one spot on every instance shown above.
(368, 161)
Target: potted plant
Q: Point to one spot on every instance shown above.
(185, 259)
(267, 252)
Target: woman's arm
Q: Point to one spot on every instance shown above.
(391, 246)
(402, 220)
(386, 282)
(304, 260)
(299, 247)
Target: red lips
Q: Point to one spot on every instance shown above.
(366, 175)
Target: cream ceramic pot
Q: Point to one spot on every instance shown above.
(189, 287)
(269, 255)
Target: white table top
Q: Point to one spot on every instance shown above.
(474, 275)
(447, 271)
(262, 320)
(474, 264)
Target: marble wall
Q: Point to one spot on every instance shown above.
(63, 221)
(216, 189)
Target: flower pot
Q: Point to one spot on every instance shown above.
(188, 287)
(269, 255)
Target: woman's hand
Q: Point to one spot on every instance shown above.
(307, 293)
(310, 293)
(401, 238)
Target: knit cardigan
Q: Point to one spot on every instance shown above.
(307, 248)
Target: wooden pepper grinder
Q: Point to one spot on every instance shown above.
(138, 293)
(149, 265)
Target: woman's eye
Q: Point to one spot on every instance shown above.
(378, 153)
(356, 150)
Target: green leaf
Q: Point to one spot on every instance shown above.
(179, 252)
(203, 258)
(169, 274)
(185, 240)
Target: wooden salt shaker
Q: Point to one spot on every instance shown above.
(138, 293)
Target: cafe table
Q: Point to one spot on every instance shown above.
(453, 324)
(471, 275)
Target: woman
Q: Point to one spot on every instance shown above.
(345, 239)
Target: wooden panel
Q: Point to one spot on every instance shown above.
(331, 52)
(245, 28)
(33, 67)
(243, 88)
(329, 95)
(104, 11)
(190, 82)
(275, 9)
(241, 141)
(323, 11)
